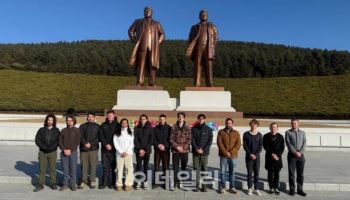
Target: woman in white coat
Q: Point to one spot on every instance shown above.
(124, 143)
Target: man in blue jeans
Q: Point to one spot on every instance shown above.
(229, 143)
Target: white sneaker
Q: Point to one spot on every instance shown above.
(145, 186)
(181, 185)
(172, 187)
(222, 191)
(257, 192)
(250, 191)
(138, 186)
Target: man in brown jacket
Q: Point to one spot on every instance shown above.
(229, 143)
(147, 34)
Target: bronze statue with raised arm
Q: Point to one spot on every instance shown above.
(147, 34)
(202, 39)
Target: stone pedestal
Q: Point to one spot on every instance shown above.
(153, 101)
(213, 99)
(144, 98)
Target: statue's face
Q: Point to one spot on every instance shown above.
(148, 12)
(203, 15)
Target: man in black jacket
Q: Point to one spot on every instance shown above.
(47, 140)
(108, 153)
(162, 145)
(89, 145)
(143, 141)
(252, 144)
(202, 138)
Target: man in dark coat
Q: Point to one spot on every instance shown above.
(47, 139)
(143, 141)
(202, 138)
(273, 143)
(162, 145)
(89, 145)
(108, 152)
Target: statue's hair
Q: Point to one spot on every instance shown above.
(148, 8)
(203, 11)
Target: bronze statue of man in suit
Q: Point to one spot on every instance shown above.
(202, 39)
(147, 34)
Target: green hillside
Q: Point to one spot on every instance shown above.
(325, 96)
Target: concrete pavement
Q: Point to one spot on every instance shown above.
(324, 171)
(24, 192)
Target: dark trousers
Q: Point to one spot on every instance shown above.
(161, 157)
(201, 61)
(88, 163)
(142, 165)
(253, 166)
(109, 164)
(144, 65)
(45, 158)
(69, 164)
(200, 164)
(179, 159)
(295, 164)
(273, 176)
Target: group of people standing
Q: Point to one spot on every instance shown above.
(119, 143)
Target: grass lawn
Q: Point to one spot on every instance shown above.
(327, 96)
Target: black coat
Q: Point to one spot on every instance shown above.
(47, 139)
(273, 144)
(107, 131)
(89, 134)
(143, 138)
(162, 136)
(202, 137)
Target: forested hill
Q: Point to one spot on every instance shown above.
(233, 59)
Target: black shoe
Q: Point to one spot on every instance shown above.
(302, 193)
(196, 189)
(63, 188)
(154, 187)
(291, 192)
(73, 188)
(204, 189)
(276, 191)
(271, 191)
(101, 187)
(38, 188)
(54, 187)
(111, 187)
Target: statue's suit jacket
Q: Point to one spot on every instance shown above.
(135, 35)
(193, 40)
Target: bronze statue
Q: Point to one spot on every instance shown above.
(202, 39)
(147, 34)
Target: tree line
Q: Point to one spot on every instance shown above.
(233, 59)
